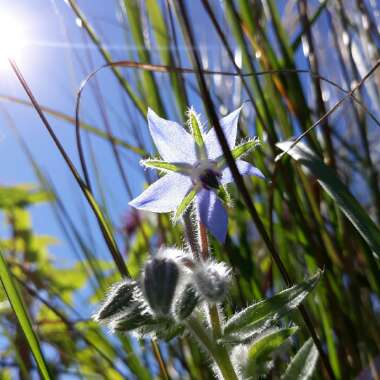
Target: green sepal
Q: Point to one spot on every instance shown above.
(185, 203)
(165, 328)
(186, 302)
(176, 167)
(195, 128)
(134, 319)
(239, 151)
(224, 196)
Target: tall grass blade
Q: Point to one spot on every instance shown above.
(23, 318)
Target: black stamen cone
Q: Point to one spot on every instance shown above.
(210, 179)
(160, 280)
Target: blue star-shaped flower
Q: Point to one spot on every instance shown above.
(194, 168)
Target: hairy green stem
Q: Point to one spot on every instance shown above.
(190, 234)
(213, 310)
(200, 250)
(216, 350)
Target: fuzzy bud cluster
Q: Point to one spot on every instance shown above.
(170, 287)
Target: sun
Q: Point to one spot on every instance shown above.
(11, 38)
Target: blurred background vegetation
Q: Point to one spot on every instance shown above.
(317, 210)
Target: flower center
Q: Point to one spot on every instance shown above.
(206, 173)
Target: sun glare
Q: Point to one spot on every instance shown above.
(11, 39)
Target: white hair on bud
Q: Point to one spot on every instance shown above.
(212, 280)
(171, 253)
(110, 297)
(180, 256)
(144, 311)
(184, 261)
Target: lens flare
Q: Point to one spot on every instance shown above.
(11, 39)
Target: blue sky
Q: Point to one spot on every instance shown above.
(54, 60)
(49, 61)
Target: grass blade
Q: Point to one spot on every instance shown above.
(23, 318)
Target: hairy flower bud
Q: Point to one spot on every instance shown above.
(120, 298)
(159, 282)
(212, 281)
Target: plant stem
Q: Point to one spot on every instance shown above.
(161, 363)
(213, 311)
(217, 351)
(190, 235)
(212, 308)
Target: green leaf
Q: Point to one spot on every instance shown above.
(185, 204)
(263, 348)
(23, 318)
(263, 314)
(162, 327)
(330, 182)
(164, 166)
(303, 364)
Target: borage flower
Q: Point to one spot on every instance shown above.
(195, 169)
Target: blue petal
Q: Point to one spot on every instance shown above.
(173, 143)
(212, 214)
(229, 125)
(164, 195)
(245, 168)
